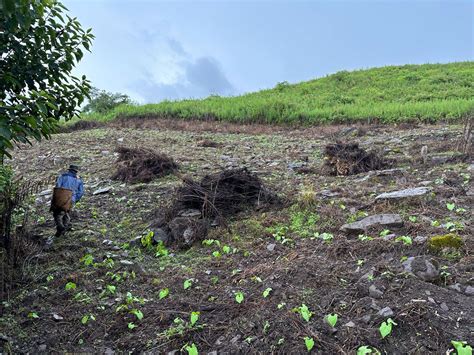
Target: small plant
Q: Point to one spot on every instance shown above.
(33, 315)
(187, 283)
(451, 206)
(216, 254)
(85, 319)
(137, 313)
(364, 237)
(386, 327)
(360, 262)
(226, 249)
(267, 291)
(163, 293)
(191, 349)
(304, 311)
(364, 350)
(70, 286)
(49, 278)
(281, 305)
(131, 325)
(462, 347)
(87, 259)
(239, 297)
(331, 319)
(405, 239)
(209, 242)
(412, 219)
(194, 318)
(266, 326)
(309, 342)
(385, 232)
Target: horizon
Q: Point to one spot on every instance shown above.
(161, 50)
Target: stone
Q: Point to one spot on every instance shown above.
(386, 312)
(328, 193)
(57, 317)
(444, 307)
(126, 262)
(420, 239)
(455, 287)
(350, 324)
(374, 292)
(101, 191)
(190, 213)
(271, 247)
(42, 347)
(46, 192)
(379, 220)
(295, 165)
(422, 267)
(160, 235)
(469, 291)
(185, 230)
(105, 152)
(395, 195)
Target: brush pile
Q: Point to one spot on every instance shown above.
(142, 165)
(350, 159)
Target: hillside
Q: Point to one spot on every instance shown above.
(428, 93)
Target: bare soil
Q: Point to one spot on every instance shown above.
(296, 249)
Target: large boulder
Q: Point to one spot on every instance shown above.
(378, 220)
(185, 231)
(395, 195)
(423, 267)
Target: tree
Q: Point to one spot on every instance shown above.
(39, 46)
(101, 101)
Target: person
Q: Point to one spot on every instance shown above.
(69, 190)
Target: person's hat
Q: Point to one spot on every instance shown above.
(74, 168)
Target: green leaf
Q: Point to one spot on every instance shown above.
(309, 342)
(331, 319)
(226, 249)
(267, 291)
(386, 327)
(194, 318)
(306, 314)
(70, 286)
(163, 293)
(192, 349)
(131, 325)
(364, 350)
(462, 348)
(450, 206)
(33, 315)
(85, 319)
(187, 283)
(137, 313)
(239, 297)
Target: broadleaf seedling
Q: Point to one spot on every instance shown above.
(331, 319)
(163, 293)
(309, 342)
(305, 313)
(462, 347)
(187, 283)
(386, 327)
(192, 349)
(70, 286)
(194, 318)
(239, 297)
(267, 291)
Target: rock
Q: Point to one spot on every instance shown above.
(389, 237)
(386, 312)
(42, 347)
(395, 195)
(120, 140)
(214, 352)
(374, 292)
(456, 287)
(107, 242)
(271, 247)
(161, 235)
(382, 220)
(421, 267)
(444, 307)
(366, 318)
(126, 262)
(469, 291)
(57, 317)
(190, 213)
(350, 324)
(185, 230)
(101, 191)
(420, 239)
(46, 192)
(295, 165)
(235, 339)
(328, 193)
(105, 152)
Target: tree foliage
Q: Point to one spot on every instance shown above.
(39, 47)
(101, 101)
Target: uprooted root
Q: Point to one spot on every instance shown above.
(350, 159)
(142, 165)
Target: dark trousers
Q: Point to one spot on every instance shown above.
(61, 219)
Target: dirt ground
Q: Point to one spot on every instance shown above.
(99, 290)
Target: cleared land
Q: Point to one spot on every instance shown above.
(423, 93)
(296, 249)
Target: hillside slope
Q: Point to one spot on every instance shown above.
(428, 92)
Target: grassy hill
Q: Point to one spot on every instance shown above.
(428, 93)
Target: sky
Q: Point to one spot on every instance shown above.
(157, 50)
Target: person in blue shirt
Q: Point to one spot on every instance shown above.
(70, 181)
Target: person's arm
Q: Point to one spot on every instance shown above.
(80, 190)
(59, 181)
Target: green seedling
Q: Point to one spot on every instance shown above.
(386, 327)
(304, 311)
(267, 291)
(385, 232)
(33, 315)
(462, 347)
(450, 206)
(131, 325)
(194, 318)
(281, 305)
(111, 289)
(412, 219)
(364, 350)
(266, 326)
(239, 297)
(187, 283)
(281, 341)
(87, 259)
(360, 262)
(192, 349)
(226, 249)
(137, 313)
(309, 342)
(209, 242)
(49, 278)
(70, 286)
(85, 319)
(331, 319)
(163, 293)
(216, 254)
(405, 239)
(256, 279)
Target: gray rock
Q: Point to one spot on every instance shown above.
(328, 193)
(295, 165)
(366, 318)
(42, 347)
(420, 239)
(386, 312)
(382, 220)
(57, 317)
(126, 262)
(469, 291)
(160, 235)
(374, 292)
(46, 192)
(271, 247)
(101, 191)
(395, 195)
(185, 231)
(214, 352)
(135, 241)
(350, 324)
(444, 307)
(190, 213)
(422, 267)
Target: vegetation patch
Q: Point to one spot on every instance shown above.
(450, 240)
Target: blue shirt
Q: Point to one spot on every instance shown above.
(70, 181)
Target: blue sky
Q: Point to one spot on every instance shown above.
(155, 50)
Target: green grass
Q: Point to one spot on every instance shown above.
(427, 93)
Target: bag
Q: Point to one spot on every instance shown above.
(61, 200)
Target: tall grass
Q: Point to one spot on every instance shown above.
(427, 93)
